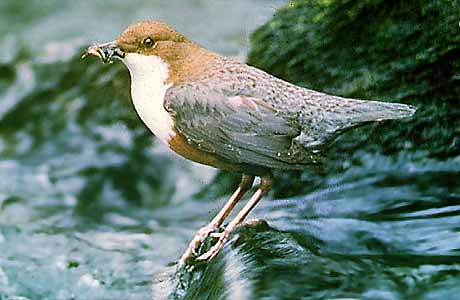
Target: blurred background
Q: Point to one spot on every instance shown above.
(92, 207)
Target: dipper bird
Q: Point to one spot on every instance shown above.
(220, 112)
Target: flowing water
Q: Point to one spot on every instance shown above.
(91, 207)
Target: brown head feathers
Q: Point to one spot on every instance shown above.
(144, 37)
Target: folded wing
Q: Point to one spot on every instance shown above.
(238, 128)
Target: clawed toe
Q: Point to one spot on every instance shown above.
(211, 253)
(194, 246)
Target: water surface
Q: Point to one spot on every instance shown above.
(91, 207)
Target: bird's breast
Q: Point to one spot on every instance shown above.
(148, 89)
(149, 106)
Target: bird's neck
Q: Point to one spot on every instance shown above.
(145, 67)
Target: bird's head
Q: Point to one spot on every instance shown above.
(146, 45)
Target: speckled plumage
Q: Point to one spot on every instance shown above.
(247, 116)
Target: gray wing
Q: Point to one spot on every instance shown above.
(238, 128)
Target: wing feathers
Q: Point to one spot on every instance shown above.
(238, 128)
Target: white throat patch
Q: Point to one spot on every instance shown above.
(148, 88)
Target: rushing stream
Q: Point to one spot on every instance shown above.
(91, 207)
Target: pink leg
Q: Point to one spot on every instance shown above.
(203, 233)
(265, 186)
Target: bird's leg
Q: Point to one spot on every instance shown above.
(245, 185)
(203, 233)
(265, 185)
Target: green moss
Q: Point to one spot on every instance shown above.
(401, 51)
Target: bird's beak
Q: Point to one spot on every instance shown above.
(105, 52)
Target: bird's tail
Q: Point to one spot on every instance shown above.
(373, 111)
(388, 111)
(341, 114)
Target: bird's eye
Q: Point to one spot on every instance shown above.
(148, 42)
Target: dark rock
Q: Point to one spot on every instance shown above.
(395, 51)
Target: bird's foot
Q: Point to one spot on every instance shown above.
(257, 224)
(193, 250)
(194, 246)
(211, 253)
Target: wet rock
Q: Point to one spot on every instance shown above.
(391, 51)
